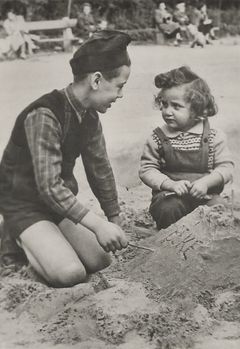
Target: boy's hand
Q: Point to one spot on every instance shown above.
(198, 189)
(111, 237)
(181, 187)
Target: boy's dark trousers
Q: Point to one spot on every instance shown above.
(10, 252)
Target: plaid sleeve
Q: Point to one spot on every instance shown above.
(99, 173)
(43, 132)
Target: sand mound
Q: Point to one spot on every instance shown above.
(201, 251)
(186, 289)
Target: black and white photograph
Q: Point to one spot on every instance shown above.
(119, 174)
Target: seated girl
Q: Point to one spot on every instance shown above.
(186, 162)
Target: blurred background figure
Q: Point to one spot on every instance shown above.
(166, 25)
(102, 24)
(206, 24)
(196, 37)
(17, 42)
(86, 24)
(195, 18)
(180, 16)
(194, 14)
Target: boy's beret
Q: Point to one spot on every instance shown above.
(104, 50)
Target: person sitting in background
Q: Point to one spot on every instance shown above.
(102, 24)
(18, 41)
(180, 16)
(194, 14)
(15, 43)
(165, 24)
(206, 25)
(197, 38)
(195, 17)
(86, 24)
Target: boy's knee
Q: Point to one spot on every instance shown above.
(68, 276)
(103, 261)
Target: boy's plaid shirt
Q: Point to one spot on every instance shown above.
(44, 135)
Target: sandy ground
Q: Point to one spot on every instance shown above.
(185, 294)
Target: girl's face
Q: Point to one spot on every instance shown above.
(176, 112)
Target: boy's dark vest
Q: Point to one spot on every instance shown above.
(190, 165)
(17, 179)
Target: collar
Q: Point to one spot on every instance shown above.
(196, 129)
(74, 102)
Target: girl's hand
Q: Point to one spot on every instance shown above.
(110, 236)
(181, 187)
(198, 189)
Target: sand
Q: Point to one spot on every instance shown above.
(185, 294)
(182, 295)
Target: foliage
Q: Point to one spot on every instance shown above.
(143, 35)
(227, 21)
(128, 14)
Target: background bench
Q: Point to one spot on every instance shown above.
(64, 24)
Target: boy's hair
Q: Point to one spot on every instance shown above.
(107, 74)
(104, 50)
(198, 93)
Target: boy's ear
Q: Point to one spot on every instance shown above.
(96, 80)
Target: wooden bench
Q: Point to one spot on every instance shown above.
(65, 25)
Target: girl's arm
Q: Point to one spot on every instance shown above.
(223, 160)
(151, 164)
(222, 168)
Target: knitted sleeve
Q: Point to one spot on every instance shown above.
(222, 157)
(151, 163)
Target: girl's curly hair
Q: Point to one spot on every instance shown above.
(198, 93)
